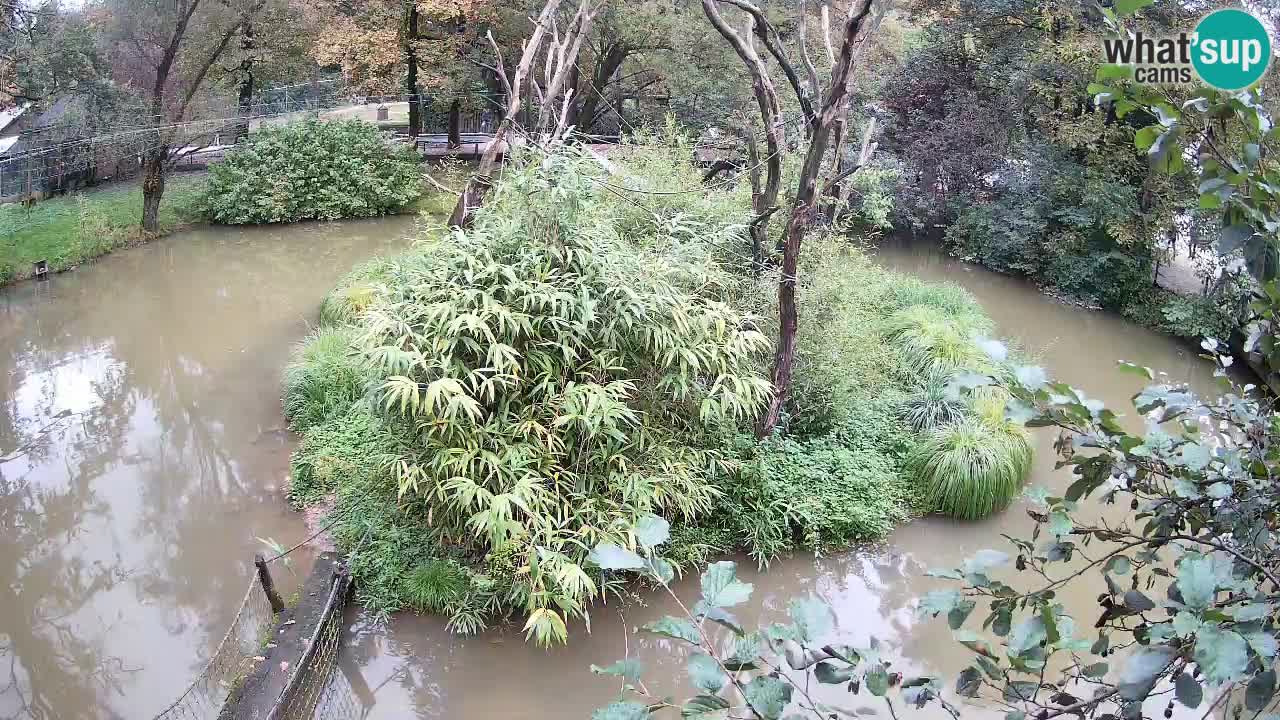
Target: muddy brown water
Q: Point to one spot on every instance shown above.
(144, 456)
(420, 670)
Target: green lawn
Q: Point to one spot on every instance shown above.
(71, 229)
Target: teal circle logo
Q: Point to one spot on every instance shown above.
(1231, 49)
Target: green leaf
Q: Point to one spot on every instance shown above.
(984, 561)
(705, 673)
(1096, 670)
(960, 613)
(812, 617)
(1138, 677)
(1260, 691)
(1118, 565)
(1137, 601)
(1060, 524)
(935, 602)
(1139, 370)
(1107, 71)
(969, 682)
(1263, 643)
(622, 711)
(1146, 137)
(1188, 690)
(1027, 635)
(612, 557)
(828, 673)
(651, 531)
(674, 627)
(767, 696)
(1197, 580)
(660, 568)
(1195, 456)
(720, 586)
(1020, 690)
(877, 680)
(705, 707)
(720, 616)
(1233, 237)
(1223, 655)
(629, 669)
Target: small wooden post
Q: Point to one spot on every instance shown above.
(268, 585)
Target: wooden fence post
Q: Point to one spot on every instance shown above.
(268, 585)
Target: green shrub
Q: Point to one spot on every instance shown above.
(312, 170)
(947, 299)
(818, 494)
(972, 468)
(1197, 317)
(323, 378)
(551, 383)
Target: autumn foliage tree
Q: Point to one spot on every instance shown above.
(419, 46)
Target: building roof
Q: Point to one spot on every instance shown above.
(8, 116)
(64, 108)
(6, 143)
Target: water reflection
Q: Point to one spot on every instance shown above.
(422, 671)
(141, 454)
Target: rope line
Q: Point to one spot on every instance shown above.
(332, 521)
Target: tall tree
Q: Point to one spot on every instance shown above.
(167, 50)
(819, 121)
(421, 47)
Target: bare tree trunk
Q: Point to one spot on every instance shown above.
(478, 185)
(455, 123)
(245, 98)
(153, 168)
(411, 76)
(607, 65)
(764, 199)
(802, 215)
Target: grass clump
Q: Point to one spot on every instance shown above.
(72, 229)
(323, 378)
(936, 342)
(972, 468)
(930, 405)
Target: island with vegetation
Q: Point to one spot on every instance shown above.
(643, 333)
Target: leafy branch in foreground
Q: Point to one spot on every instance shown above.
(740, 673)
(1188, 578)
(1186, 567)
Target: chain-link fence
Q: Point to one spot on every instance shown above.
(204, 697)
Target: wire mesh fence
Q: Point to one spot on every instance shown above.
(321, 686)
(206, 695)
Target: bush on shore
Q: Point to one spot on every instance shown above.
(314, 170)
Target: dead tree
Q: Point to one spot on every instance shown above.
(858, 25)
(764, 197)
(562, 55)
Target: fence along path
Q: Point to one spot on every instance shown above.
(268, 667)
(206, 695)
